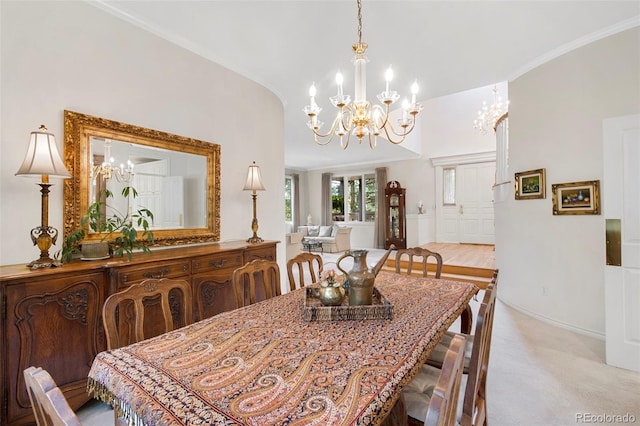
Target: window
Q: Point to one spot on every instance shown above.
(449, 186)
(369, 198)
(288, 199)
(337, 199)
(353, 198)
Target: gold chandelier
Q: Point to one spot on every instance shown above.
(362, 118)
(488, 116)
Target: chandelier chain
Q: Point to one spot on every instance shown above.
(359, 21)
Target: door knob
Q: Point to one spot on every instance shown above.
(461, 209)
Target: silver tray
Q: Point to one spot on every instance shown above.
(314, 310)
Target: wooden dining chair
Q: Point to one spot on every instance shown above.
(432, 397)
(308, 265)
(424, 267)
(437, 355)
(258, 279)
(475, 365)
(443, 405)
(50, 407)
(474, 408)
(133, 314)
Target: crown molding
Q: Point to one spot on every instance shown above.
(452, 160)
(582, 41)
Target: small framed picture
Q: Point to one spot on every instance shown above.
(576, 197)
(530, 185)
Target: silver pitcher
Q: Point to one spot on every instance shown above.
(359, 281)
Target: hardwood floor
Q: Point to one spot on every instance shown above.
(468, 255)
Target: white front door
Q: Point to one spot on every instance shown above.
(621, 206)
(465, 215)
(475, 204)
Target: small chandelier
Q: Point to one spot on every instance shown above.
(107, 169)
(362, 118)
(488, 115)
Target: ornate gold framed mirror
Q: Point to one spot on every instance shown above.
(176, 177)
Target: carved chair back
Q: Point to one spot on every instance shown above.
(255, 281)
(307, 265)
(443, 405)
(146, 309)
(424, 267)
(49, 404)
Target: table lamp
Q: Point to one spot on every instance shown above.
(254, 183)
(43, 159)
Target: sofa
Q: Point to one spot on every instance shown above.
(334, 238)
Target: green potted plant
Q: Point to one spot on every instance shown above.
(124, 232)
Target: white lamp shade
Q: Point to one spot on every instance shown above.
(43, 157)
(254, 180)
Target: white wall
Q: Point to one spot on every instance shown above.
(447, 123)
(555, 122)
(71, 55)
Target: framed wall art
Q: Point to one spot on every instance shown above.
(576, 197)
(530, 185)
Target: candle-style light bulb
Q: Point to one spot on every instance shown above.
(388, 76)
(405, 110)
(414, 92)
(339, 81)
(312, 94)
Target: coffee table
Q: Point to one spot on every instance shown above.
(312, 244)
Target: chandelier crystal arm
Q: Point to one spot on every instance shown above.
(315, 126)
(338, 128)
(389, 135)
(407, 123)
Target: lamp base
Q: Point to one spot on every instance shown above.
(44, 262)
(44, 237)
(255, 239)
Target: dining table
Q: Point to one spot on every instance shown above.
(264, 364)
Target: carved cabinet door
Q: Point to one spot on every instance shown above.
(53, 323)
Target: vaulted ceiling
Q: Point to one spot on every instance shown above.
(448, 46)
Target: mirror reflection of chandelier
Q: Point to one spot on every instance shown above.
(362, 118)
(488, 115)
(107, 169)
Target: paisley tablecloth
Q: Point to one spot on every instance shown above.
(264, 365)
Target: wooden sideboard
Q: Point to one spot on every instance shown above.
(51, 318)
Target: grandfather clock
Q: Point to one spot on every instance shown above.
(395, 216)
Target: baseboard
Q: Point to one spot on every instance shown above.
(573, 328)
